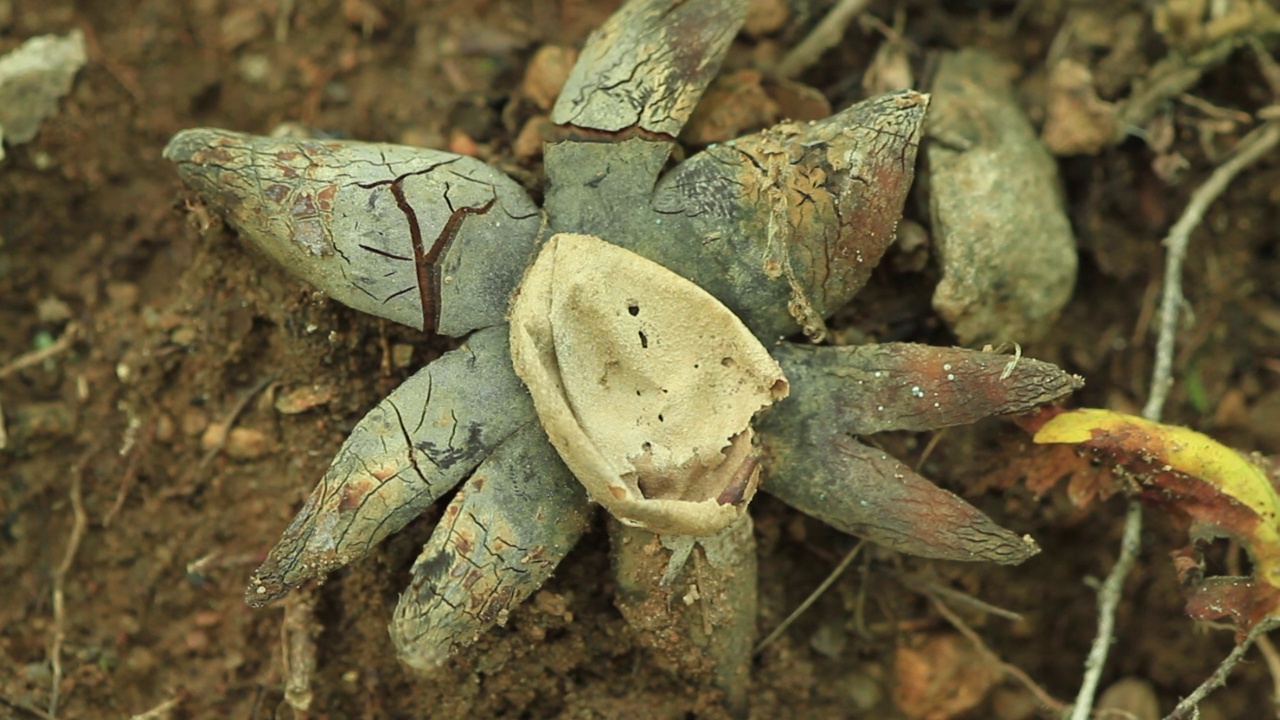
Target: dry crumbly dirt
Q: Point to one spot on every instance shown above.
(180, 326)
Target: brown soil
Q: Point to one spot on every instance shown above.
(178, 326)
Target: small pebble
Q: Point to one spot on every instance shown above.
(546, 73)
(53, 310)
(303, 398)
(241, 444)
(1130, 697)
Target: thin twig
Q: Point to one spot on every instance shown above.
(933, 589)
(813, 597)
(135, 447)
(160, 711)
(35, 357)
(1251, 148)
(1108, 599)
(1042, 696)
(1188, 705)
(19, 705)
(78, 526)
(825, 35)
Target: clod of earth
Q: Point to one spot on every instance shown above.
(782, 227)
(1004, 241)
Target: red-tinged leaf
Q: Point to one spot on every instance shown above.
(1223, 491)
(1245, 601)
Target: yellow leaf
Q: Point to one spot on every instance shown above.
(1164, 457)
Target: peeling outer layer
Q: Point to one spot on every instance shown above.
(646, 67)
(409, 450)
(426, 238)
(783, 227)
(1003, 239)
(498, 541)
(693, 602)
(904, 386)
(645, 384)
(796, 217)
(814, 464)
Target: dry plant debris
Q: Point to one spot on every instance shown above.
(1220, 491)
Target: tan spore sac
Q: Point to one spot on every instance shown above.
(645, 384)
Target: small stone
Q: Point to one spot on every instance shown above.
(194, 423)
(797, 101)
(140, 660)
(166, 429)
(241, 26)
(423, 137)
(303, 398)
(735, 104)
(1078, 121)
(1009, 703)
(546, 73)
(402, 355)
(941, 677)
(765, 17)
(241, 444)
(123, 295)
(196, 640)
(32, 80)
(184, 336)
(1130, 697)
(53, 310)
(207, 618)
(364, 15)
(254, 68)
(528, 143)
(863, 689)
(830, 639)
(461, 143)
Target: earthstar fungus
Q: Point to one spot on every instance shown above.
(771, 233)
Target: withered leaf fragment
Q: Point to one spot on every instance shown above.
(1222, 491)
(1003, 239)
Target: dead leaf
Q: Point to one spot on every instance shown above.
(1222, 491)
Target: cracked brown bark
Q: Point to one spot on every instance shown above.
(408, 451)
(817, 466)
(351, 218)
(499, 540)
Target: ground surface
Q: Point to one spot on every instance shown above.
(179, 326)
